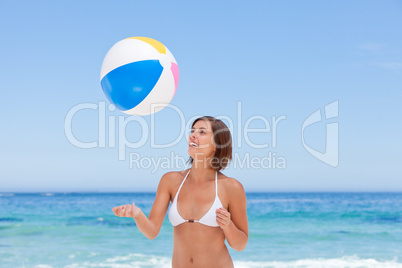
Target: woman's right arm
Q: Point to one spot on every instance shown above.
(151, 225)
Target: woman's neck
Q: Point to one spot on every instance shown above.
(200, 172)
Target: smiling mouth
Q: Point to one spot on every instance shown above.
(192, 144)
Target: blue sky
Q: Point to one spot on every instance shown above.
(275, 58)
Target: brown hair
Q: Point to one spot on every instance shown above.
(223, 142)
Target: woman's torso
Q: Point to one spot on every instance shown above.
(195, 244)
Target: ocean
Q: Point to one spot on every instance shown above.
(72, 230)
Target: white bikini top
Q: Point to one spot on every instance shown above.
(208, 219)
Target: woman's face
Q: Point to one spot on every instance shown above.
(201, 141)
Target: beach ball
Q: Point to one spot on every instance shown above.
(139, 75)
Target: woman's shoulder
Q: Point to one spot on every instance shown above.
(231, 190)
(230, 184)
(171, 180)
(173, 177)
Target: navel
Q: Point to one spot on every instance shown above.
(191, 260)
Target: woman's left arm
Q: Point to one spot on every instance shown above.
(234, 220)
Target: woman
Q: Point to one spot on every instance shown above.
(210, 207)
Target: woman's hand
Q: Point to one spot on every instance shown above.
(127, 211)
(222, 218)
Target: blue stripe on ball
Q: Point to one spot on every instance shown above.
(128, 85)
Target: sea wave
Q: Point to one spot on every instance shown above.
(6, 194)
(47, 194)
(129, 261)
(10, 219)
(141, 260)
(94, 220)
(284, 200)
(345, 261)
